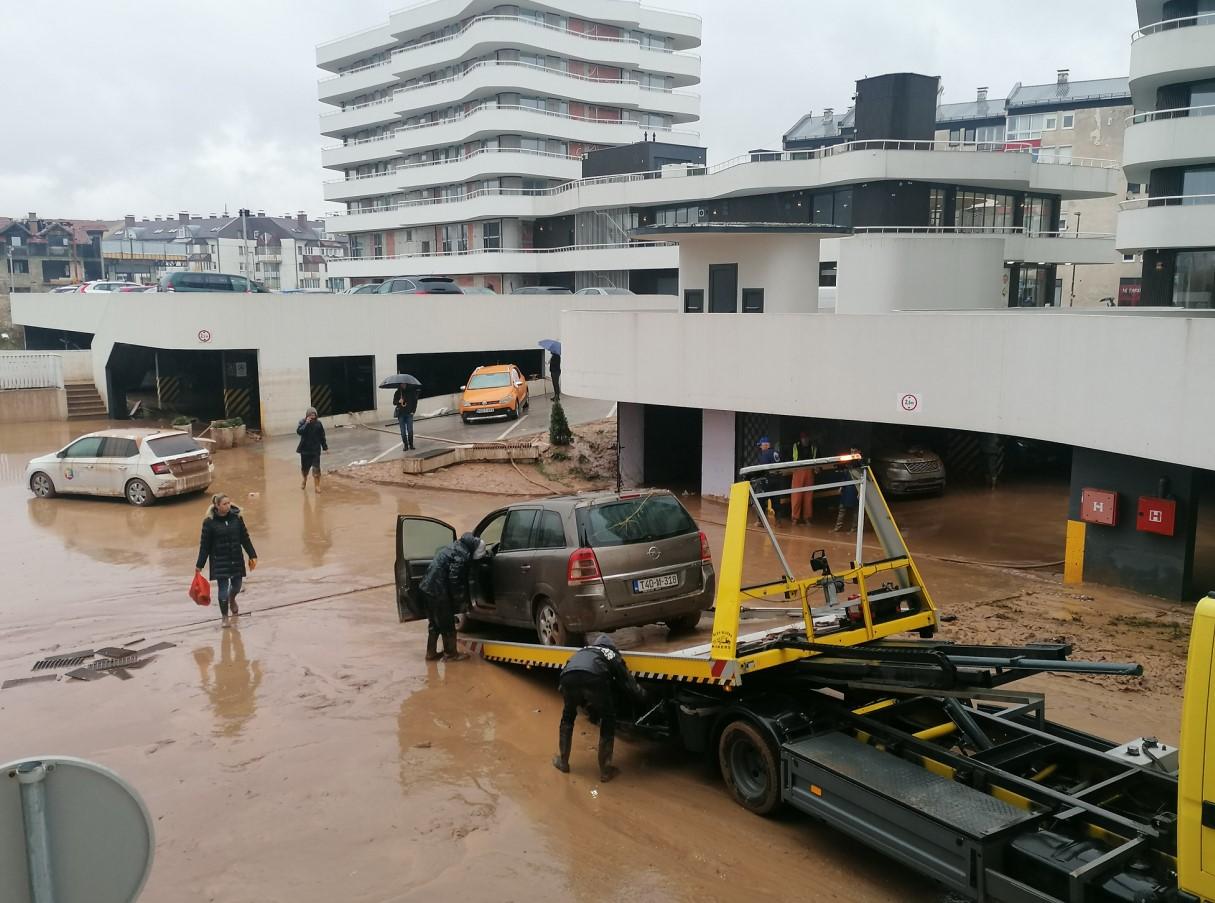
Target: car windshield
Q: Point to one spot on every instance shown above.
(179, 444)
(489, 381)
(647, 518)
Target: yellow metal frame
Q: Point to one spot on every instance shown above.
(722, 666)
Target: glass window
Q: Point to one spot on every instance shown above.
(489, 381)
(1202, 94)
(166, 446)
(1069, 120)
(648, 518)
(88, 447)
(1198, 180)
(983, 210)
(491, 236)
(1194, 279)
(1050, 123)
(955, 137)
(550, 533)
(936, 207)
(518, 531)
(492, 532)
(119, 448)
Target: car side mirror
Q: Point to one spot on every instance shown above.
(462, 388)
(518, 384)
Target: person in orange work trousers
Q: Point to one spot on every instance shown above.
(804, 449)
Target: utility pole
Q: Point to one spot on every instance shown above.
(1071, 301)
(244, 231)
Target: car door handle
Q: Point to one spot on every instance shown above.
(525, 567)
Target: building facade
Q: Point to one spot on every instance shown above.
(456, 115)
(283, 253)
(41, 254)
(1170, 149)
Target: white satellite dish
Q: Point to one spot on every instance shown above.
(71, 831)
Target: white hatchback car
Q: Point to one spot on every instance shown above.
(140, 465)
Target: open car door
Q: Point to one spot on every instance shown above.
(418, 539)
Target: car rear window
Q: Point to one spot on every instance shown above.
(167, 446)
(645, 519)
(489, 381)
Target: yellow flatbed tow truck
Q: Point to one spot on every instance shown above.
(916, 746)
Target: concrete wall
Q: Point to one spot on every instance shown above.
(883, 271)
(77, 366)
(1136, 384)
(630, 423)
(287, 330)
(32, 405)
(784, 266)
(717, 453)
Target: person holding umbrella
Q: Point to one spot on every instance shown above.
(553, 347)
(404, 404)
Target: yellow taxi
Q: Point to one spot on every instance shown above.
(495, 391)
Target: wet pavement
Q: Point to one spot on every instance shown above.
(309, 754)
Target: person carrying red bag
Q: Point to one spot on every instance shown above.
(224, 535)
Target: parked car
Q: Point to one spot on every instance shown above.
(140, 465)
(62, 289)
(603, 291)
(494, 391)
(109, 285)
(571, 565)
(185, 281)
(419, 285)
(915, 471)
(477, 290)
(135, 287)
(367, 288)
(541, 290)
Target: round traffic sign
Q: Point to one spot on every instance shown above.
(909, 402)
(204, 335)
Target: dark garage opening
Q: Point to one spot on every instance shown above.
(444, 373)
(40, 338)
(163, 383)
(673, 438)
(341, 385)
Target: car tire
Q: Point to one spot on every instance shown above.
(684, 623)
(513, 413)
(750, 767)
(527, 403)
(550, 629)
(464, 417)
(42, 485)
(139, 493)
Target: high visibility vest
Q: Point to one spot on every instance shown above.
(797, 451)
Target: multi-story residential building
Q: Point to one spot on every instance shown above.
(40, 254)
(454, 117)
(281, 252)
(1170, 148)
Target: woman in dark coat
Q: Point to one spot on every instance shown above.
(224, 535)
(312, 443)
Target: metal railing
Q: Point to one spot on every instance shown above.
(1174, 113)
(475, 251)
(1171, 200)
(30, 370)
(1026, 231)
(1172, 24)
(460, 159)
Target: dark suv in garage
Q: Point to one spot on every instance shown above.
(575, 564)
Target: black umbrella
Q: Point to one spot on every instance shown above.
(400, 379)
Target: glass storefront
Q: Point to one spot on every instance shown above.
(1194, 279)
(983, 210)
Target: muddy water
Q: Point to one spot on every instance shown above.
(310, 755)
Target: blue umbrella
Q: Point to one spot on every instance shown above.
(552, 346)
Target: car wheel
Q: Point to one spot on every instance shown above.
(513, 413)
(549, 627)
(464, 417)
(42, 486)
(684, 623)
(750, 768)
(465, 622)
(139, 493)
(527, 403)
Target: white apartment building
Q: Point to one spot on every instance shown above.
(454, 117)
(1170, 148)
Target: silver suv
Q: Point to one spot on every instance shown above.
(571, 565)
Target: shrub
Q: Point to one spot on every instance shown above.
(558, 427)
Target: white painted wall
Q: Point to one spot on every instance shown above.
(630, 423)
(784, 266)
(1079, 378)
(287, 330)
(717, 453)
(881, 272)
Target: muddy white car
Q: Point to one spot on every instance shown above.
(140, 465)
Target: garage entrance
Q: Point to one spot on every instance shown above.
(163, 383)
(673, 439)
(443, 374)
(341, 385)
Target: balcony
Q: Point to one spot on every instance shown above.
(634, 256)
(361, 116)
(362, 150)
(1182, 221)
(339, 52)
(1179, 137)
(1170, 52)
(1019, 244)
(337, 88)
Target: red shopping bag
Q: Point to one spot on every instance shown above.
(200, 590)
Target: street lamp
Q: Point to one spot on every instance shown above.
(244, 231)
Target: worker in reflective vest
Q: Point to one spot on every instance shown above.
(804, 449)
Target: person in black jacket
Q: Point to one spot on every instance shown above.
(589, 679)
(554, 372)
(312, 443)
(445, 591)
(405, 405)
(224, 535)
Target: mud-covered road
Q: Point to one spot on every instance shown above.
(309, 754)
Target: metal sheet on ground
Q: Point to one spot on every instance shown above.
(40, 678)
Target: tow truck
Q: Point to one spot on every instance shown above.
(918, 747)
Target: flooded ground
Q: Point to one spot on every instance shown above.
(311, 755)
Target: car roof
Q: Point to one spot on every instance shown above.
(583, 499)
(430, 278)
(138, 434)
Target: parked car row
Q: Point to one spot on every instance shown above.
(445, 285)
(188, 281)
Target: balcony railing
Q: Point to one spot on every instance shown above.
(459, 159)
(1174, 113)
(474, 251)
(1027, 231)
(1172, 200)
(1171, 24)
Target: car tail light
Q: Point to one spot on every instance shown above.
(583, 567)
(706, 553)
(160, 467)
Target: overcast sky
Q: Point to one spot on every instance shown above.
(129, 106)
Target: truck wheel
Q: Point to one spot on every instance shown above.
(684, 623)
(750, 767)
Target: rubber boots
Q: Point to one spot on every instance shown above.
(565, 740)
(451, 651)
(607, 770)
(432, 647)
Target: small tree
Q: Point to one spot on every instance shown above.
(558, 427)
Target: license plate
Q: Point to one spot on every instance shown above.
(650, 584)
(486, 410)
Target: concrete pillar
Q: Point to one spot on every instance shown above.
(717, 453)
(630, 420)
(1121, 554)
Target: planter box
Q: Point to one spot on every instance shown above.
(228, 436)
